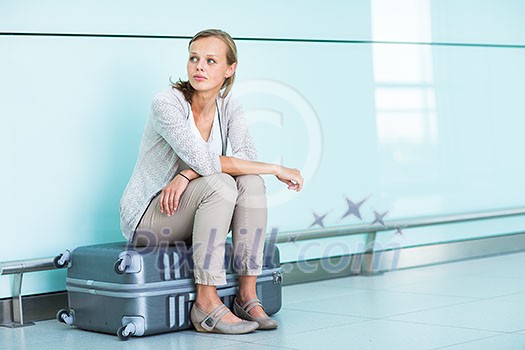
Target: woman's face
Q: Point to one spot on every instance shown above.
(207, 65)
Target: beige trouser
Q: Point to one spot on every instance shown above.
(208, 209)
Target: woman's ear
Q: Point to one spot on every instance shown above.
(231, 70)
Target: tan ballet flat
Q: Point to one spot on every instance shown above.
(243, 311)
(212, 322)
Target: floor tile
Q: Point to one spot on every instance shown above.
(375, 282)
(512, 264)
(489, 314)
(515, 298)
(296, 321)
(378, 334)
(251, 346)
(313, 291)
(400, 278)
(500, 342)
(502, 266)
(377, 304)
(51, 334)
(466, 286)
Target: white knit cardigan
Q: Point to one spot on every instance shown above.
(168, 146)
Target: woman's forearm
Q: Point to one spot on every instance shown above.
(236, 166)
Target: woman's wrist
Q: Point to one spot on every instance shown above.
(277, 169)
(189, 174)
(184, 176)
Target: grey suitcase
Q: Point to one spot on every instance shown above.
(117, 289)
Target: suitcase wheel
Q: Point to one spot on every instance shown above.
(120, 266)
(125, 332)
(128, 262)
(62, 260)
(65, 316)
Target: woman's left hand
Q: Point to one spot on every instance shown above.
(170, 195)
(291, 177)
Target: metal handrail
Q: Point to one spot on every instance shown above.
(22, 266)
(393, 225)
(18, 268)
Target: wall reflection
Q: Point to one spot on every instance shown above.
(404, 93)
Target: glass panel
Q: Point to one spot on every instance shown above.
(408, 130)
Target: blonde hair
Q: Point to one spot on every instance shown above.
(231, 57)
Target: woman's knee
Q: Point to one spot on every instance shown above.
(253, 184)
(222, 185)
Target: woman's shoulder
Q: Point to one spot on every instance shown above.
(168, 98)
(170, 94)
(230, 103)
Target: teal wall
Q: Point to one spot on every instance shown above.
(420, 129)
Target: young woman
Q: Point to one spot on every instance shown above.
(184, 186)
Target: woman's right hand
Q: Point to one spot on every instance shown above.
(291, 177)
(170, 195)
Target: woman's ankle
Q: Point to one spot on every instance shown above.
(206, 305)
(247, 289)
(244, 297)
(207, 298)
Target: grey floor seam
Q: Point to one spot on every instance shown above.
(449, 326)
(467, 342)
(332, 313)
(431, 308)
(393, 315)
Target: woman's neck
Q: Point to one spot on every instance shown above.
(202, 104)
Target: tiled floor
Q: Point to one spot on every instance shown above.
(475, 304)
